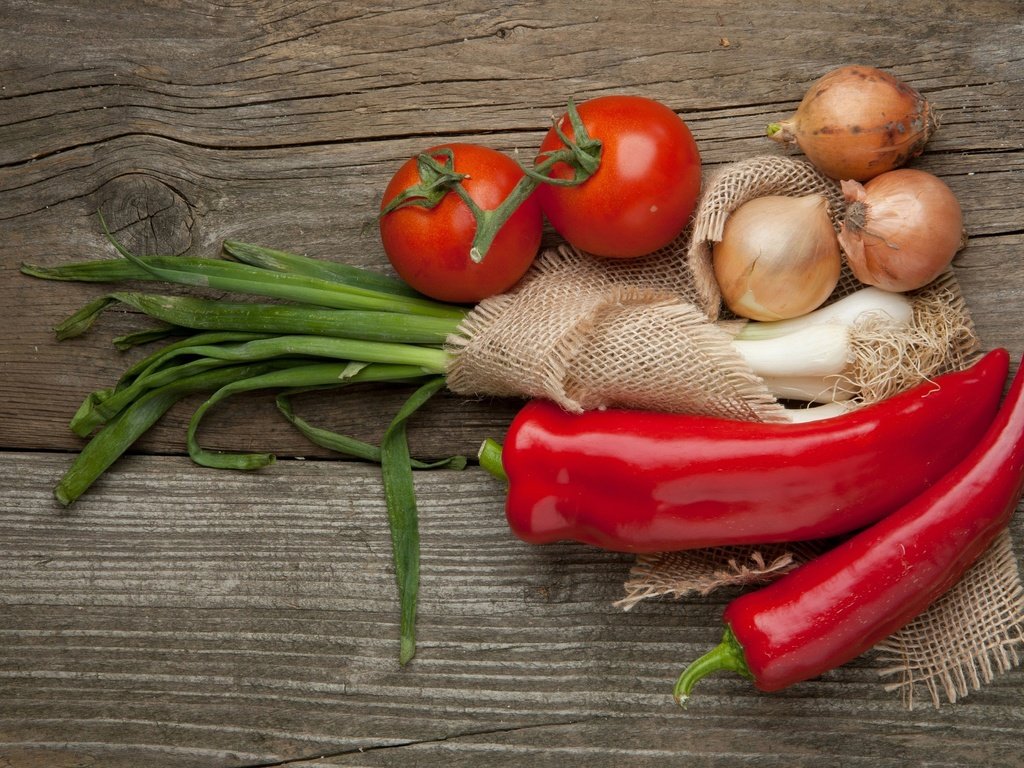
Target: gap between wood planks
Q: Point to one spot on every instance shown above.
(412, 743)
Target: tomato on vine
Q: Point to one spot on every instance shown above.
(632, 179)
(438, 226)
(619, 177)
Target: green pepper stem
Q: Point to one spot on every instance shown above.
(490, 458)
(728, 654)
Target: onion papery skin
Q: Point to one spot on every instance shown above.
(857, 122)
(778, 258)
(901, 229)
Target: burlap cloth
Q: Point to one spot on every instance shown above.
(650, 333)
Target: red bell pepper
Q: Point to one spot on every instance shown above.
(835, 607)
(637, 481)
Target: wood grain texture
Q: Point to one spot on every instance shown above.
(180, 617)
(185, 617)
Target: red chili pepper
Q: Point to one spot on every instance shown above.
(637, 481)
(837, 606)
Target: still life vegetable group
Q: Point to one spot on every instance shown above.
(914, 487)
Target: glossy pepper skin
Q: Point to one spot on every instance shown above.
(837, 606)
(636, 481)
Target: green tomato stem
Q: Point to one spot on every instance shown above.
(489, 223)
(436, 181)
(581, 153)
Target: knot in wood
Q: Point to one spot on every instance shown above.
(146, 215)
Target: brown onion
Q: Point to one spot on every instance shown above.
(901, 230)
(857, 122)
(778, 257)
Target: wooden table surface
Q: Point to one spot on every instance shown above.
(179, 616)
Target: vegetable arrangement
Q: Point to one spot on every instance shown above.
(619, 178)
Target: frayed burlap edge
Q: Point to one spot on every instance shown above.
(702, 571)
(961, 643)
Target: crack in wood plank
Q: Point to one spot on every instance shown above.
(401, 744)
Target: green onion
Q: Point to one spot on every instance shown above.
(157, 358)
(114, 439)
(432, 359)
(348, 445)
(868, 302)
(809, 357)
(218, 274)
(110, 270)
(400, 495)
(96, 409)
(283, 261)
(82, 320)
(817, 350)
(298, 377)
(105, 404)
(242, 278)
(209, 314)
(338, 325)
(148, 336)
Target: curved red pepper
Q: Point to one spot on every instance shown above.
(837, 606)
(638, 481)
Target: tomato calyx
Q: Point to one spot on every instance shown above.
(581, 153)
(437, 179)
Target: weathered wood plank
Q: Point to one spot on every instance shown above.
(183, 618)
(46, 380)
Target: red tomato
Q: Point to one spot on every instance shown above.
(645, 189)
(430, 247)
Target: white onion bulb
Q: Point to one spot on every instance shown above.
(778, 258)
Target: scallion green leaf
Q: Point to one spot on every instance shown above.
(242, 278)
(211, 314)
(117, 436)
(400, 496)
(284, 261)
